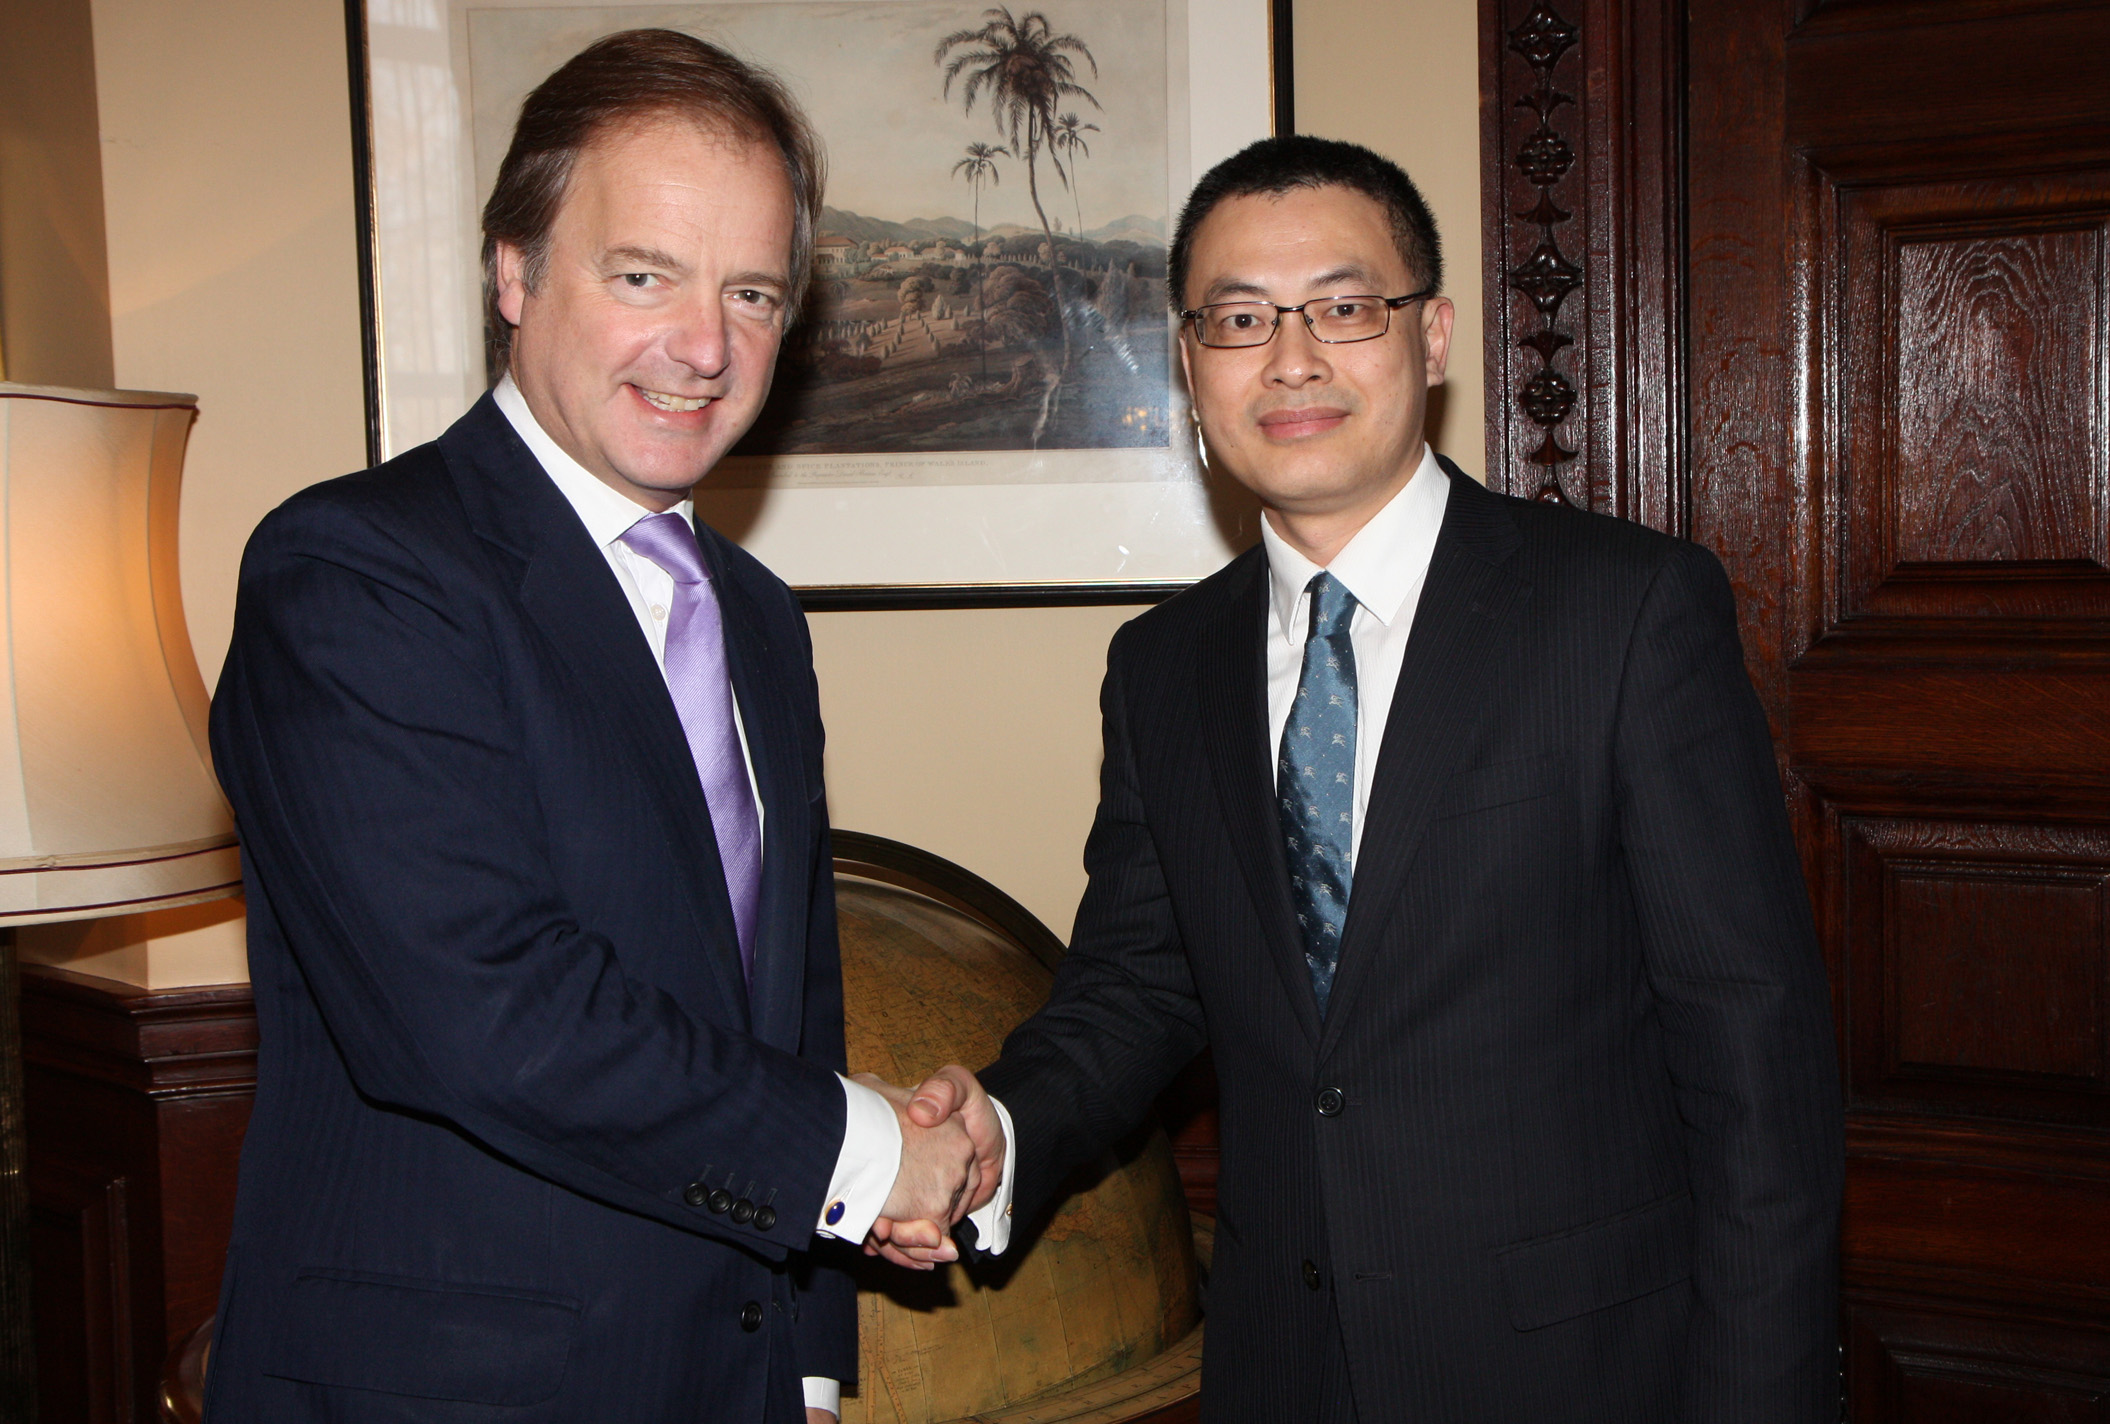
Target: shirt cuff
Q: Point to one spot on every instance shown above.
(865, 1168)
(824, 1394)
(992, 1223)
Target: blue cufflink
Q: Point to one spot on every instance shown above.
(835, 1212)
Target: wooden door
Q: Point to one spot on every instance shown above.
(1825, 284)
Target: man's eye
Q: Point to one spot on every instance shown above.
(748, 296)
(638, 280)
(1345, 311)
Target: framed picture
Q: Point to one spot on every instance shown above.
(981, 402)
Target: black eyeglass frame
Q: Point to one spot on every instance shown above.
(1391, 305)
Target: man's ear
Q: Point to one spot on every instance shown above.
(1437, 314)
(512, 282)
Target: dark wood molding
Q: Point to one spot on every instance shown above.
(136, 1104)
(1581, 133)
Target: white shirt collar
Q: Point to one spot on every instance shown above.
(1385, 560)
(605, 513)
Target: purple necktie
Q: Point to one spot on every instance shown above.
(703, 696)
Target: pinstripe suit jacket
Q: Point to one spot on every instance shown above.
(1567, 1144)
(504, 1030)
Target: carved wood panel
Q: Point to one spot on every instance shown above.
(80, 1269)
(136, 1105)
(1978, 969)
(1887, 296)
(1931, 1367)
(1579, 237)
(1975, 356)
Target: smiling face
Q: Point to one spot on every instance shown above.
(1323, 434)
(647, 347)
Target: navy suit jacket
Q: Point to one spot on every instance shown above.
(506, 1051)
(1567, 1144)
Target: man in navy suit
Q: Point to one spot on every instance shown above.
(1450, 822)
(550, 1106)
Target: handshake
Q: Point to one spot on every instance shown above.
(952, 1162)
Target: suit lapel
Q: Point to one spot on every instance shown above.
(1233, 697)
(767, 716)
(569, 593)
(1453, 653)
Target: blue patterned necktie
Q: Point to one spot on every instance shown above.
(1315, 782)
(703, 698)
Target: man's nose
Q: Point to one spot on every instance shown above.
(699, 337)
(1295, 357)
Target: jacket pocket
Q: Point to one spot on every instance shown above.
(480, 1344)
(1554, 1278)
(1502, 783)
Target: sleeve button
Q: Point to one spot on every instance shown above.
(765, 1217)
(720, 1201)
(695, 1194)
(743, 1211)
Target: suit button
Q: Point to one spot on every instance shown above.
(1311, 1276)
(719, 1201)
(765, 1217)
(751, 1316)
(695, 1194)
(743, 1212)
(1331, 1101)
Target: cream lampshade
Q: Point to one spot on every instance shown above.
(107, 799)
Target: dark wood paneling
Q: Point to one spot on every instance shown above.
(1999, 338)
(137, 1101)
(1581, 244)
(81, 1269)
(1972, 346)
(2020, 1233)
(1890, 274)
(2011, 707)
(1928, 1365)
(1873, 73)
(1978, 968)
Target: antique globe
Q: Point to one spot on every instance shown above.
(1093, 1319)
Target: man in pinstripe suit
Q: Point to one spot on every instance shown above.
(1451, 823)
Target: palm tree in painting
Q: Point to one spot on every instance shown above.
(977, 167)
(1068, 139)
(1025, 70)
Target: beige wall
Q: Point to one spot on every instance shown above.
(227, 189)
(54, 283)
(227, 193)
(1403, 76)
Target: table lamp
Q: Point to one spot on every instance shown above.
(108, 804)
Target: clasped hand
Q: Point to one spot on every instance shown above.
(952, 1162)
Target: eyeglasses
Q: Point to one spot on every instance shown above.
(1338, 319)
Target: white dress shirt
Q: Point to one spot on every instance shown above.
(870, 1158)
(1384, 567)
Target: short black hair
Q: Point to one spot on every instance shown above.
(1273, 166)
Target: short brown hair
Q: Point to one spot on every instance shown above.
(629, 78)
